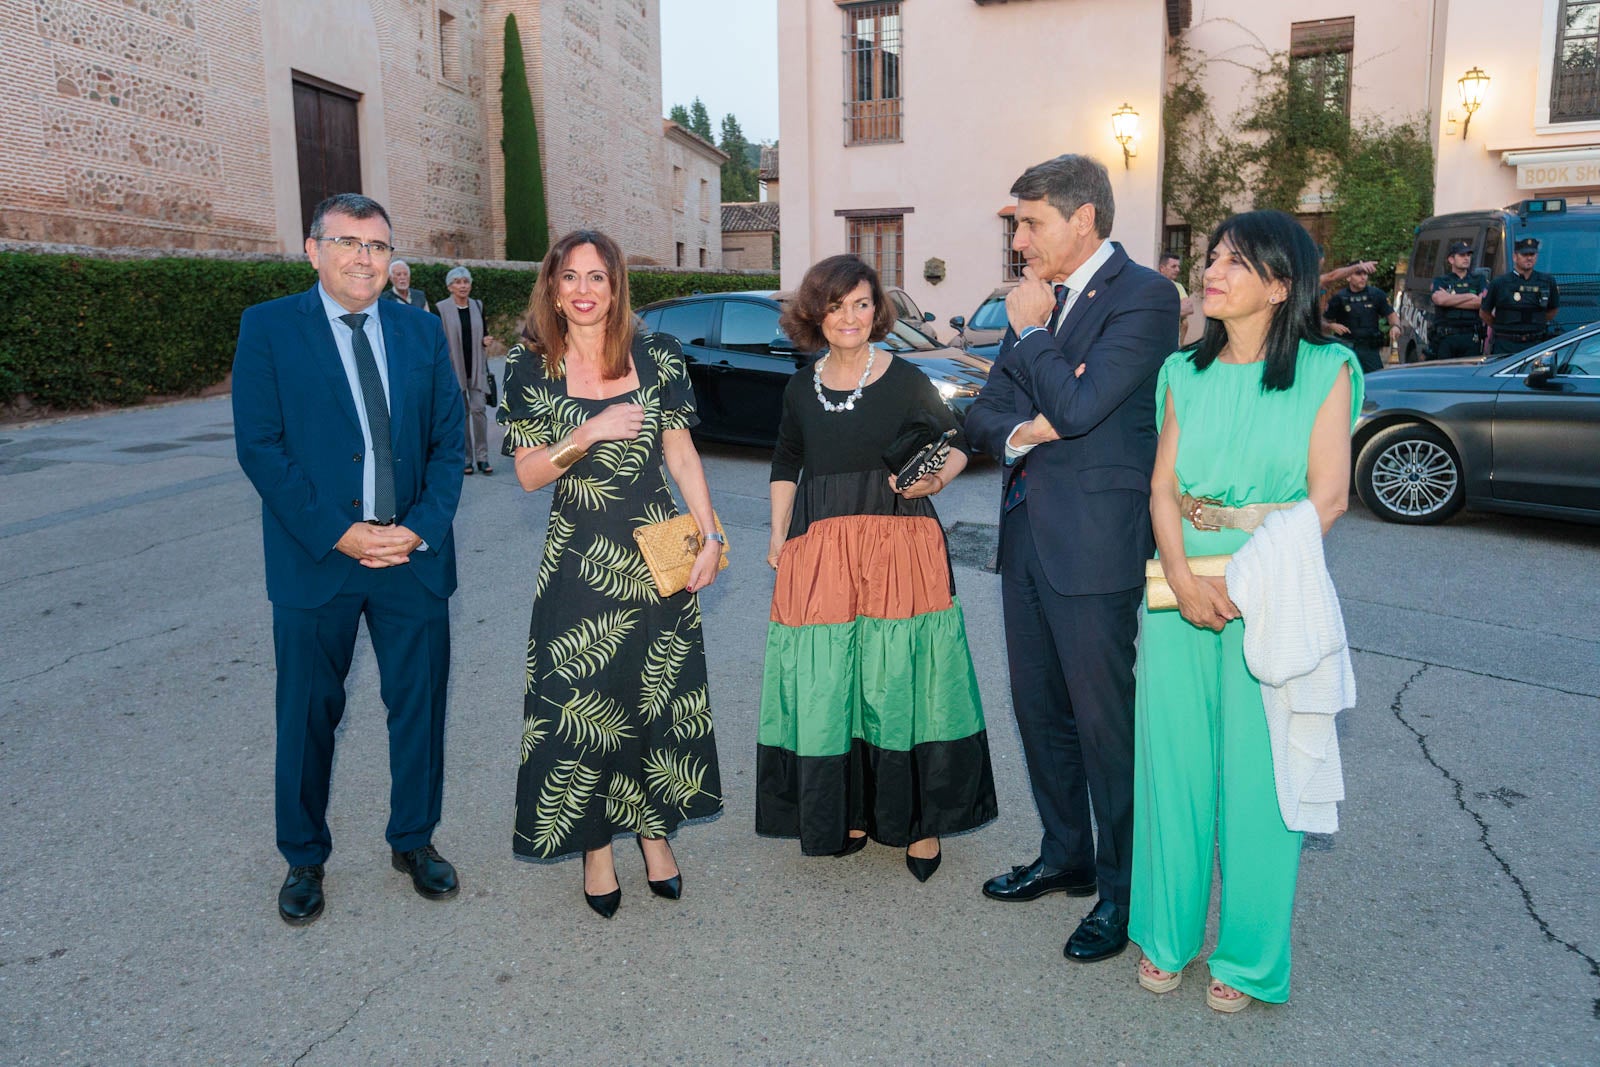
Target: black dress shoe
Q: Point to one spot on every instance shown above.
(300, 899)
(1102, 934)
(923, 868)
(604, 905)
(485, 468)
(667, 888)
(1035, 880)
(431, 874)
(852, 845)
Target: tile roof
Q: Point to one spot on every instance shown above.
(747, 218)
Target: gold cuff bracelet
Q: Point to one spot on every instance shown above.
(564, 453)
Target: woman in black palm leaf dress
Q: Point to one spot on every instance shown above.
(617, 734)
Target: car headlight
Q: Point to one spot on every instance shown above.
(952, 390)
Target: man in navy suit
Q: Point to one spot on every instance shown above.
(348, 421)
(1069, 409)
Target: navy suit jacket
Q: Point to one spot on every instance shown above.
(299, 441)
(1089, 492)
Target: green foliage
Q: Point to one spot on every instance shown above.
(700, 121)
(1301, 135)
(1204, 174)
(527, 219)
(1381, 188)
(739, 182)
(680, 115)
(76, 331)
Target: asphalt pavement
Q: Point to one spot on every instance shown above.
(1453, 919)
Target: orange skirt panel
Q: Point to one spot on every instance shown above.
(878, 566)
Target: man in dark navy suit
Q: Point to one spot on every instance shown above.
(1069, 409)
(348, 421)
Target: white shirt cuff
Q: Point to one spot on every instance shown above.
(1016, 452)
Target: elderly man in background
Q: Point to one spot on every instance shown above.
(464, 329)
(400, 286)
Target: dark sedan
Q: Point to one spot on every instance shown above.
(740, 361)
(1517, 433)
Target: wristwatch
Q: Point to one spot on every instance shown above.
(717, 537)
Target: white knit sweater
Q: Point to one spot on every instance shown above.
(1294, 643)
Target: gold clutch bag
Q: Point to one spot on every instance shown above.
(1158, 594)
(669, 549)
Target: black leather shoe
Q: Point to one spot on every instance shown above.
(300, 899)
(431, 874)
(923, 868)
(1102, 934)
(667, 888)
(852, 845)
(1035, 880)
(604, 905)
(484, 468)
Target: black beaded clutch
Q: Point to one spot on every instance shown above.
(917, 453)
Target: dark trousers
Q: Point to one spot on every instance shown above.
(1457, 346)
(410, 629)
(1504, 345)
(1071, 660)
(1368, 354)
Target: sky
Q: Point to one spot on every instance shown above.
(726, 53)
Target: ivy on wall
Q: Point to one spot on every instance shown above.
(1376, 178)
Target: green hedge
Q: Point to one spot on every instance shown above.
(77, 331)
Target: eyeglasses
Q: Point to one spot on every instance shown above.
(352, 245)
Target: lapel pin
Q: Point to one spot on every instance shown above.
(1090, 294)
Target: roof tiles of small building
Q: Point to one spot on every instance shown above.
(749, 218)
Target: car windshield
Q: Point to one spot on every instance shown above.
(1570, 249)
(991, 315)
(903, 338)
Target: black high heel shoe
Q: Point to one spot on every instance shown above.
(852, 845)
(604, 904)
(667, 888)
(923, 869)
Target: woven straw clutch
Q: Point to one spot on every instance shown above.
(669, 549)
(1158, 594)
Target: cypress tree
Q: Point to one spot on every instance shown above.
(527, 220)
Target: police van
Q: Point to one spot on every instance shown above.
(1569, 248)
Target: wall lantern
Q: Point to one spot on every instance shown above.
(1125, 127)
(1473, 85)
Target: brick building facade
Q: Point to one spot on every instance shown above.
(204, 123)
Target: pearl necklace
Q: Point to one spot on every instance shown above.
(849, 402)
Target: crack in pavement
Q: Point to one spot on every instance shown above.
(93, 652)
(119, 559)
(1398, 707)
(1475, 674)
(360, 1007)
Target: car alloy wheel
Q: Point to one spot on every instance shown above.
(1410, 474)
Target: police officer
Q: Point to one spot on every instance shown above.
(1362, 314)
(1456, 298)
(1521, 302)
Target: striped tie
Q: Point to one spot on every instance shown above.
(377, 406)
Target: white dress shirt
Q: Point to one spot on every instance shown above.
(347, 356)
(1075, 282)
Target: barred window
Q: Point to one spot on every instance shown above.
(1011, 261)
(1319, 63)
(872, 57)
(879, 241)
(1575, 89)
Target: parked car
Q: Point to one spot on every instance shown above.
(1569, 249)
(907, 311)
(740, 361)
(982, 333)
(1517, 433)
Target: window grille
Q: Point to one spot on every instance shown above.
(1575, 87)
(1011, 261)
(1319, 62)
(879, 241)
(872, 73)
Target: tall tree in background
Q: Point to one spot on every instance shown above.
(527, 220)
(680, 115)
(700, 121)
(739, 183)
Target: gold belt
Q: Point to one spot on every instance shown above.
(1205, 513)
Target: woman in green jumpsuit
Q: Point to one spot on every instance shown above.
(1265, 405)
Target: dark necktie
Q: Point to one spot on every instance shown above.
(377, 406)
(1017, 489)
